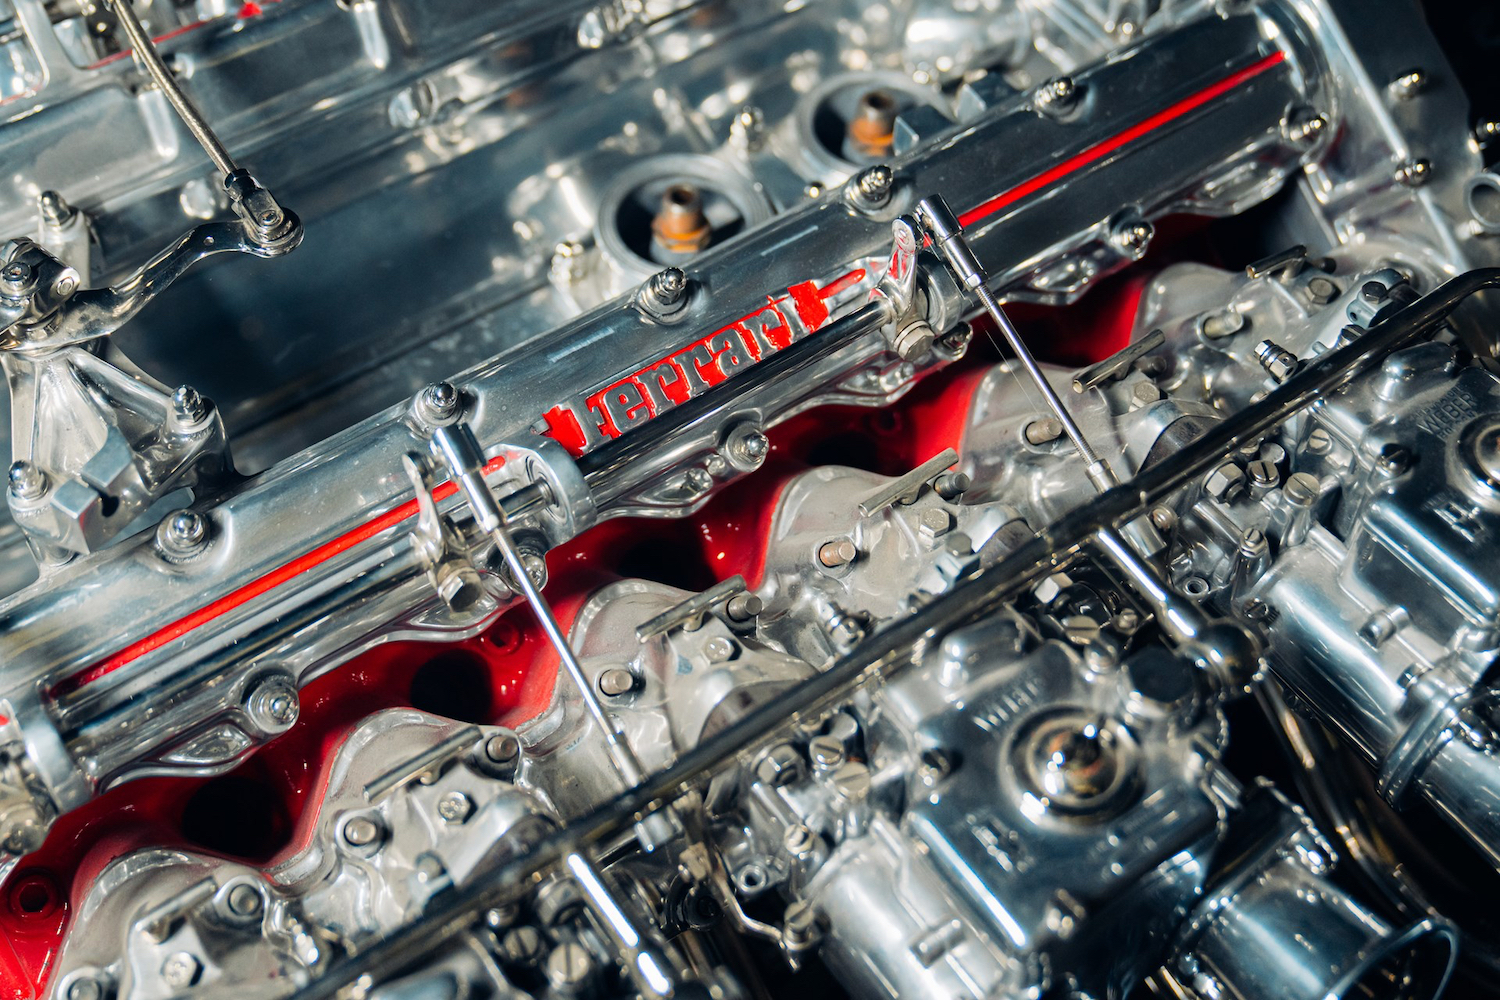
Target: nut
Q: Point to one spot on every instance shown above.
(439, 401)
(780, 766)
(1225, 483)
(27, 482)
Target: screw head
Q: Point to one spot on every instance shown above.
(361, 831)
(1393, 460)
(440, 401)
(616, 681)
(569, 966)
(181, 970)
(825, 752)
(455, 807)
(521, 946)
(27, 482)
(719, 649)
(85, 988)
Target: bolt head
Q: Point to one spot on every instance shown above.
(798, 839)
(780, 766)
(15, 276)
(569, 965)
(837, 552)
(440, 401)
(616, 681)
(27, 482)
(935, 521)
(244, 901)
(455, 807)
(1225, 483)
(189, 408)
(502, 748)
(720, 650)
(668, 287)
(1056, 97)
(85, 988)
(361, 831)
(273, 705)
(873, 186)
(183, 532)
(181, 970)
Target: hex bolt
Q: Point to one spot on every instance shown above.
(1225, 483)
(1409, 84)
(440, 401)
(181, 970)
(55, 210)
(27, 482)
(913, 340)
(616, 681)
(1042, 431)
(1144, 393)
(455, 807)
(502, 748)
(189, 408)
(1133, 236)
(361, 831)
(569, 967)
(1321, 290)
(272, 704)
(872, 187)
(1278, 362)
(747, 446)
(183, 532)
(568, 262)
(243, 901)
(780, 765)
(1414, 172)
(743, 607)
(935, 522)
(719, 649)
(825, 752)
(666, 291)
(837, 552)
(1056, 97)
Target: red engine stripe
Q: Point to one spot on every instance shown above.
(1102, 149)
(259, 586)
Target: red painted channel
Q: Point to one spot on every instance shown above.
(370, 529)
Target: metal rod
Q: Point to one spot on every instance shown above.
(151, 60)
(465, 461)
(948, 239)
(907, 641)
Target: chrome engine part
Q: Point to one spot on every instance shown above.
(923, 498)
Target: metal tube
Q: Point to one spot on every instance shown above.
(150, 59)
(907, 641)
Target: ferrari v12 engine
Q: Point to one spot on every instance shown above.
(921, 498)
